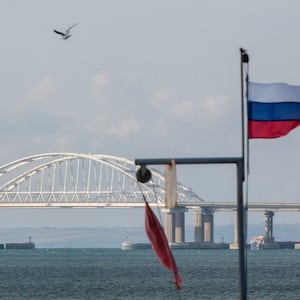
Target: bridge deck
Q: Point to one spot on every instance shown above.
(213, 206)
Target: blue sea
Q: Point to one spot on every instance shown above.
(137, 274)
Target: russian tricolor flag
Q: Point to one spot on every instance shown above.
(273, 109)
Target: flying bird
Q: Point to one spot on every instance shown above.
(65, 35)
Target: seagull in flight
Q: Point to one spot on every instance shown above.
(65, 35)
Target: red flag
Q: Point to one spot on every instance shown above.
(160, 244)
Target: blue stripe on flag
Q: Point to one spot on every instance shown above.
(273, 111)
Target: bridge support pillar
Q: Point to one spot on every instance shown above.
(204, 226)
(180, 224)
(169, 225)
(199, 226)
(235, 244)
(269, 238)
(236, 231)
(175, 224)
(208, 227)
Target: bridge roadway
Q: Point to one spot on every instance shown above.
(253, 206)
(211, 206)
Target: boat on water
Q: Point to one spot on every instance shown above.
(256, 242)
(127, 245)
(261, 243)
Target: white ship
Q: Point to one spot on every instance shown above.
(127, 245)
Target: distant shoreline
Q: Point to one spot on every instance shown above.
(112, 237)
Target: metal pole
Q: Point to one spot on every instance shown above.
(244, 60)
(242, 104)
(240, 194)
(241, 231)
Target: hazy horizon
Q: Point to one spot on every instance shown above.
(108, 237)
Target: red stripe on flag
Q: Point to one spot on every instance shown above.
(270, 129)
(160, 244)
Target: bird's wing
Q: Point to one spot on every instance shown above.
(68, 30)
(58, 32)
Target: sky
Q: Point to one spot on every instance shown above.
(146, 79)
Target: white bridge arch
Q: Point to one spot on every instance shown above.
(81, 180)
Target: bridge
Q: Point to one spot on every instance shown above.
(80, 180)
(54, 180)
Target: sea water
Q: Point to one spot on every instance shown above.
(137, 274)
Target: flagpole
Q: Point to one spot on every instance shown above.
(240, 201)
(244, 60)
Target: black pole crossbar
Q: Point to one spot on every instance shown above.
(189, 161)
(239, 162)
